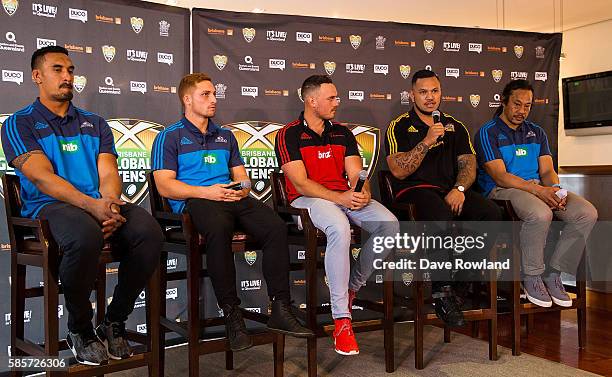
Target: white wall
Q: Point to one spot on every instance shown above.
(588, 50)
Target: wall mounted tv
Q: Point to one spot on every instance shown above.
(587, 104)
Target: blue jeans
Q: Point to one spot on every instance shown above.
(334, 220)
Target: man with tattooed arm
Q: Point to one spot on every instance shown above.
(434, 165)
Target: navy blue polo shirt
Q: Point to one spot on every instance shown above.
(519, 149)
(72, 145)
(198, 159)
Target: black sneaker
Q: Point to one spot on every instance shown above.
(113, 336)
(235, 328)
(448, 308)
(87, 348)
(283, 321)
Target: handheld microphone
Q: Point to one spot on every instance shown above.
(240, 185)
(363, 175)
(436, 119)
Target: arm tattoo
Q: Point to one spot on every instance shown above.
(466, 166)
(411, 160)
(20, 160)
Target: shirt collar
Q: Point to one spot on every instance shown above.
(211, 130)
(417, 121)
(48, 114)
(521, 128)
(327, 123)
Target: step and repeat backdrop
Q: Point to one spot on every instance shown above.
(259, 61)
(130, 56)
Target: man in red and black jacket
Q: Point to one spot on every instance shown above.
(320, 159)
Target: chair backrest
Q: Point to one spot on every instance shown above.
(158, 203)
(386, 187)
(279, 191)
(12, 196)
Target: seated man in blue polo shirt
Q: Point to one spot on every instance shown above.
(195, 164)
(66, 162)
(516, 164)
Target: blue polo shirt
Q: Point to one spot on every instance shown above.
(519, 149)
(198, 159)
(72, 145)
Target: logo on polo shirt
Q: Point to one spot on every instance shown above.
(69, 146)
(412, 129)
(324, 155)
(521, 152)
(210, 159)
(220, 139)
(134, 141)
(185, 141)
(531, 134)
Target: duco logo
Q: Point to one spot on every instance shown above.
(69, 146)
(210, 159)
(521, 152)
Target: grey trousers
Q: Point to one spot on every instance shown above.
(579, 218)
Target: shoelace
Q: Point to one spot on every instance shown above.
(88, 338)
(538, 285)
(345, 327)
(559, 285)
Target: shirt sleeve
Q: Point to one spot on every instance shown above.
(487, 148)
(464, 143)
(351, 144)
(543, 141)
(287, 146)
(235, 158)
(107, 141)
(18, 138)
(164, 155)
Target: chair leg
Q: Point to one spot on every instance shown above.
(101, 294)
(388, 321)
(153, 327)
(279, 355)
(516, 318)
(194, 264)
(418, 324)
(582, 301)
(447, 334)
(163, 286)
(493, 307)
(229, 360)
(475, 329)
(18, 274)
(529, 323)
(310, 267)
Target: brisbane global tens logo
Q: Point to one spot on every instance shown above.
(133, 141)
(256, 143)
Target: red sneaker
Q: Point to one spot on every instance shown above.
(344, 337)
(352, 294)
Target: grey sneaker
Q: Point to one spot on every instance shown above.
(536, 291)
(113, 336)
(87, 348)
(556, 290)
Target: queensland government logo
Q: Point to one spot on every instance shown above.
(256, 144)
(10, 6)
(133, 141)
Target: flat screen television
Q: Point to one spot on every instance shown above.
(587, 104)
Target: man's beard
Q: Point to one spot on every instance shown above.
(63, 97)
(428, 113)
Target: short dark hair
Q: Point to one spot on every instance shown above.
(423, 74)
(509, 89)
(314, 82)
(189, 82)
(39, 55)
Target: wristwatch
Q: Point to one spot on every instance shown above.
(460, 188)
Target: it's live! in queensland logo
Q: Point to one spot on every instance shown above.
(256, 143)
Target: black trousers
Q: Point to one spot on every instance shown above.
(137, 244)
(430, 206)
(216, 222)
